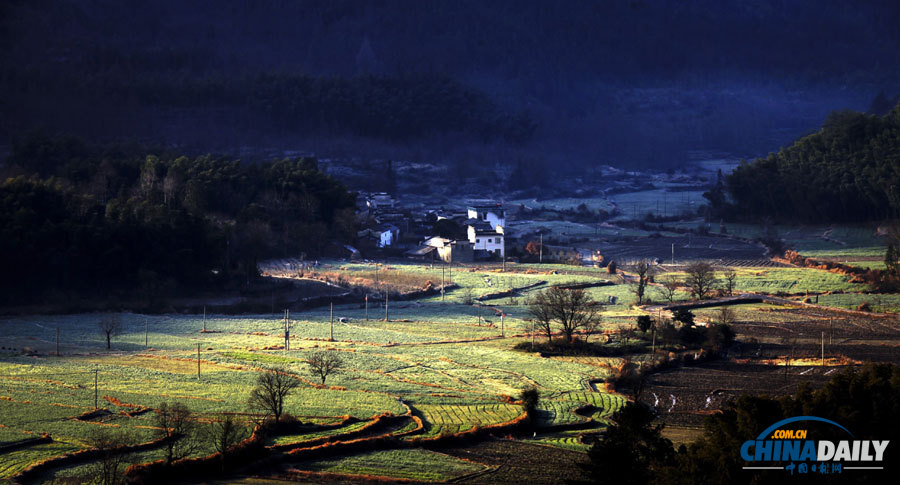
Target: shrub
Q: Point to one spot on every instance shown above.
(644, 322)
(684, 316)
(530, 398)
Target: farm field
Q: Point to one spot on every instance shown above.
(593, 204)
(658, 202)
(416, 464)
(444, 361)
(780, 348)
(879, 303)
(788, 280)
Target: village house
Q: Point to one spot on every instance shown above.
(485, 229)
(382, 236)
(486, 239)
(493, 214)
(387, 234)
(451, 251)
(446, 250)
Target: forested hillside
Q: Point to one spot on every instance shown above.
(571, 82)
(847, 171)
(82, 218)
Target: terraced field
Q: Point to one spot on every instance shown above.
(301, 437)
(788, 280)
(445, 361)
(416, 464)
(442, 419)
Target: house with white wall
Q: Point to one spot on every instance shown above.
(485, 238)
(387, 234)
(493, 214)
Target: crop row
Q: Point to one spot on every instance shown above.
(443, 418)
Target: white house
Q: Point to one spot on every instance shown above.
(387, 234)
(494, 214)
(484, 238)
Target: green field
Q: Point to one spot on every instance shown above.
(773, 280)
(416, 464)
(445, 360)
(850, 301)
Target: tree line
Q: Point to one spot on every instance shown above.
(81, 218)
(848, 171)
(392, 108)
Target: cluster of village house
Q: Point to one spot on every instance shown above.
(390, 231)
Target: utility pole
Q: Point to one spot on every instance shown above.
(95, 387)
(532, 335)
(198, 361)
(502, 327)
(541, 251)
(442, 282)
(386, 306)
(673, 254)
(287, 329)
(331, 336)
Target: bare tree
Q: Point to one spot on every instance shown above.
(629, 378)
(110, 325)
(668, 287)
(572, 309)
(701, 277)
(725, 316)
(323, 364)
(539, 309)
(176, 423)
(729, 276)
(108, 444)
(271, 389)
(223, 435)
(642, 270)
